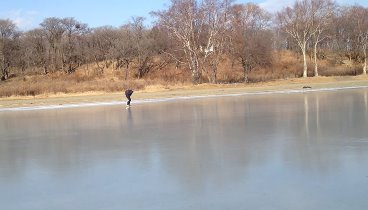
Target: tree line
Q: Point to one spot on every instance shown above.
(190, 33)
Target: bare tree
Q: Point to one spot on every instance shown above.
(251, 37)
(142, 45)
(216, 34)
(35, 54)
(102, 40)
(167, 46)
(73, 31)
(344, 39)
(322, 11)
(123, 51)
(55, 29)
(7, 33)
(300, 22)
(360, 15)
(162, 44)
(182, 20)
(351, 34)
(197, 27)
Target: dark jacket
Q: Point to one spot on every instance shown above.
(128, 93)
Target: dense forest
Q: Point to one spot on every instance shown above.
(200, 41)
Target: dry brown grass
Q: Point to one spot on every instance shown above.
(58, 83)
(341, 71)
(286, 65)
(83, 81)
(170, 74)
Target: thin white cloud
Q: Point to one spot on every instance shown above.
(23, 19)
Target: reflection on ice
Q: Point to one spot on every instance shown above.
(306, 113)
(299, 151)
(366, 100)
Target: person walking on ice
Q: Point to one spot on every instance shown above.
(128, 93)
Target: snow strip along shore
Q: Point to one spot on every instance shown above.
(63, 106)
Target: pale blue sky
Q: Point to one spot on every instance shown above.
(28, 14)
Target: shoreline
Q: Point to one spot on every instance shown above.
(61, 101)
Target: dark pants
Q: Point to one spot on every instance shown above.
(129, 100)
(128, 93)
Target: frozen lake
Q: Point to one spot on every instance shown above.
(279, 151)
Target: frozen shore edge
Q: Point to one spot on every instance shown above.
(63, 106)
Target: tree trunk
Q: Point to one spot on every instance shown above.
(196, 78)
(4, 74)
(3, 67)
(245, 71)
(126, 69)
(365, 61)
(315, 60)
(45, 70)
(246, 77)
(143, 67)
(305, 70)
(213, 76)
(195, 69)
